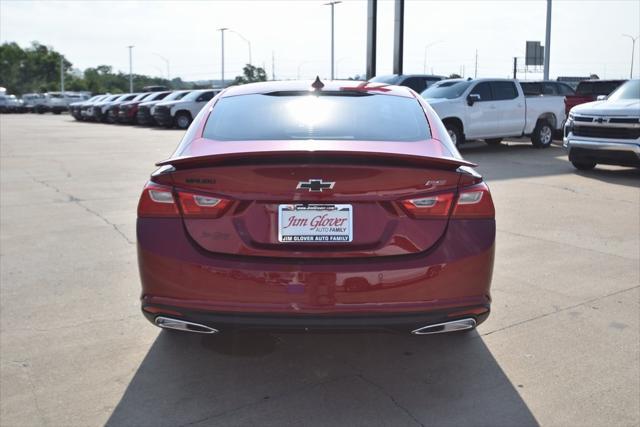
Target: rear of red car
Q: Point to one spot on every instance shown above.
(344, 207)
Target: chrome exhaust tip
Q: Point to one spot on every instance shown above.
(439, 328)
(183, 325)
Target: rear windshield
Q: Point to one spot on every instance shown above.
(447, 89)
(391, 80)
(629, 90)
(597, 88)
(291, 117)
(174, 96)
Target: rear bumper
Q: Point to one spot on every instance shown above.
(399, 323)
(181, 280)
(603, 150)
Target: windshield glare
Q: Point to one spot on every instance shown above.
(337, 116)
(446, 89)
(629, 90)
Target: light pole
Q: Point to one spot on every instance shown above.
(633, 49)
(130, 68)
(424, 66)
(245, 39)
(222, 30)
(332, 4)
(547, 43)
(166, 61)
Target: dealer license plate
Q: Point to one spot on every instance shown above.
(315, 223)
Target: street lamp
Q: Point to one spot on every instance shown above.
(245, 39)
(166, 61)
(424, 66)
(332, 4)
(130, 68)
(633, 49)
(222, 30)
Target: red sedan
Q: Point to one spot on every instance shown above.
(324, 206)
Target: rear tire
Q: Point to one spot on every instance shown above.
(493, 141)
(584, 165)
(542, 135)
(183, 120)
(455, 133)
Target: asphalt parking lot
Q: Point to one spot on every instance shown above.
(560, 348)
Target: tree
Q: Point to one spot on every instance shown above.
(251, 74)
(37, 69)
(455, 76)
(32, 69)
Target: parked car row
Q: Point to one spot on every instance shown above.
(162, 108)
(54, 102)
(11, 104)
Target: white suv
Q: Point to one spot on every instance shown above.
(181, 112)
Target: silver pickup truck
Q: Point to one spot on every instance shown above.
(606, 131)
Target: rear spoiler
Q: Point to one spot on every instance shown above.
(449, 163)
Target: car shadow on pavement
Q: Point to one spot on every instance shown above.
(518, 159)
(320, 379)
(613, 175)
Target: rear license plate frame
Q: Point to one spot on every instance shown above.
(311, 212)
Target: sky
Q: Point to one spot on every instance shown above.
(441, 36)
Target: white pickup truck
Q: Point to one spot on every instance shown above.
(493, 109)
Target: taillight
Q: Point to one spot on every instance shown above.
(437, 206)
(160, 201)
(201, 206)
(474, 202)
(157, 201)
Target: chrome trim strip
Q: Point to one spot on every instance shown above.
(605, 121)
(633, 147)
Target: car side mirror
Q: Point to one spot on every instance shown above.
(473, 98)
(601, 97)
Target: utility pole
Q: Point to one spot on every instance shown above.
(332, 4)
(475, 73)
(273, 65)
(515, 67)
(61, 74)
(130, 68)
(633, 49)
(222, 30)
(547, 43)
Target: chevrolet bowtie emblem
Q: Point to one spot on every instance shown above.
(315, 185)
